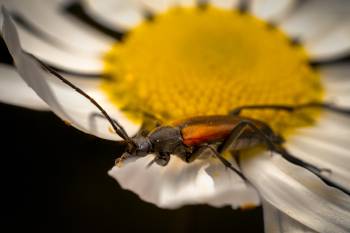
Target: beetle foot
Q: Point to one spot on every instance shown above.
(119, 162)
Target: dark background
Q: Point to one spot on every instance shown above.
(56, 181)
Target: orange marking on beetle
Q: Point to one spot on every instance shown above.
(195, 134)
(201, 129)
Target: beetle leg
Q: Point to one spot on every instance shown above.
(237, 157)
(126, 157)
(237, 111)
(226, 162)
(292, 159)
(151, 162)
(162, 159)
(315, 170)
(291, 108)
(190, 157)
(232, 139)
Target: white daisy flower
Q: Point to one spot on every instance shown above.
(177, 59)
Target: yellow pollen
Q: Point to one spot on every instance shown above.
(190, 62)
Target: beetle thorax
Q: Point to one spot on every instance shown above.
(166, 139)
(143, 146)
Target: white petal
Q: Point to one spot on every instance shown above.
(333, 44)
(331, 138)
(272, 10)
(158, 6)
(66, 103)
(298, 193)
(276, 221)
(186, 3)
(163, 5)
(336, 77)
(229, 188)
(334, 123)
(323, 154)
(53, 54)
(83, 64)
(315, 19)
(50, 18)
(337, 83)
(83, 82)
(225, 4)
(116, 14)
(325, 147)
(13, 90)
(180, 183)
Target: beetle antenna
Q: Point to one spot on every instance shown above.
(291, 108)
(115, 124)
(328, 106)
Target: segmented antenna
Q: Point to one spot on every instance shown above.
(115, 124)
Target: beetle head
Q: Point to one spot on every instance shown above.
(139, 147)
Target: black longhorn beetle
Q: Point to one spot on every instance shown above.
(190, 137)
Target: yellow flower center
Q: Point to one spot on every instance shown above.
(190, 62)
